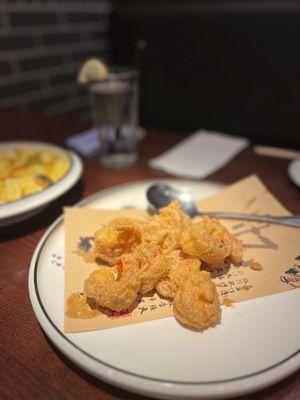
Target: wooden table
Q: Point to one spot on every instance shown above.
(31, 367)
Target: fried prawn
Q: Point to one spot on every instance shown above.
(209, 241)
(115, 293)
(196, 303)
(119, 237)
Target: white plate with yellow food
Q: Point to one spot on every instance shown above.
(255, 345)
(32, 174)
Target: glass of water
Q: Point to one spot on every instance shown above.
(114, 101)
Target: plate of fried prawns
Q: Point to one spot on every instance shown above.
(207, 350)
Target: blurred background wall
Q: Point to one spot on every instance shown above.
(228, 65)
(42, 44)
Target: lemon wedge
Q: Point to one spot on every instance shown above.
(92, 70)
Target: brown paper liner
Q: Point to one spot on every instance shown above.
(274, 247)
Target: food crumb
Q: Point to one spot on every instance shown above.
(228, 302)
(246, 287)
(256, 266)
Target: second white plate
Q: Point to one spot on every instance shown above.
(294, 171)
(19, 210)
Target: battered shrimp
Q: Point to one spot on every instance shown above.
(152, 271)
(179, 269)
(165, 228)
(174, 215)
(166, 288)
(120, 236)
(115, 294)
(196, 303)
(209, 241)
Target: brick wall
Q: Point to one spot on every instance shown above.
(42, 45)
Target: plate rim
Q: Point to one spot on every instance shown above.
(39, 308)
(291, 171)
(21, 206)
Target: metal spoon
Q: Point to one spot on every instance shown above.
(160, 195)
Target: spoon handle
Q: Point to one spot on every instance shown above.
(292, 220)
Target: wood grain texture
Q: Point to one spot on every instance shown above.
(31, 367)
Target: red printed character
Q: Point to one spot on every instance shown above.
(120, 314)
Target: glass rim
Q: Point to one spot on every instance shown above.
(118, 72)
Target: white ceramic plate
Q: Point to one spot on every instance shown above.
(19, 210)
(255, 345)
(294, 171)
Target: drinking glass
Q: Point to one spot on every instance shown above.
(114, 102)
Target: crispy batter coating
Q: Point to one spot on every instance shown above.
(179, 269)
(209, 241)
(152, 271)
(182, 269)
(196, 303)
(165, 228)
(144, 252)
(115, 294)
(120, 236)
(166, 288)
(103, 274)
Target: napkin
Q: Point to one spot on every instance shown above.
(201, 154)
(86, 143)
